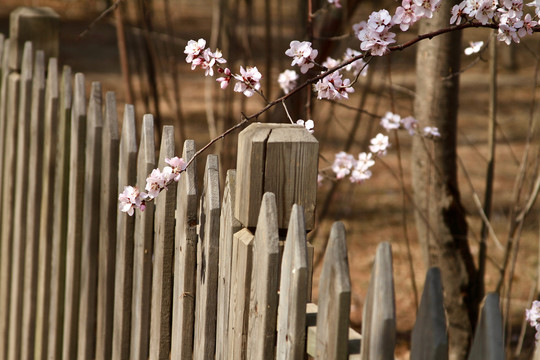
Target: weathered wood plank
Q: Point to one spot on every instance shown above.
(75, 219)
(488, 343)
(228, 227)
(185, 259)
(354, 341)
(379, 314)
(8, 204)
(21, 195)
(164, 221)
(59, 219)
(207, 263)
(50, 140)
(90, 231)
(241, 268)
(281, 159)
(7, 104)
(107, 229)
(35, 161)
(144, 237)
(334, 298)
(3, 108)
(293, 290)
(429, 336)
(264, 283)
(123, 283)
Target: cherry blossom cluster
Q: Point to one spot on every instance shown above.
(248, 81)
(357, 169)
(533, 317)
(158, 180)
(513, 24)
(391, 121)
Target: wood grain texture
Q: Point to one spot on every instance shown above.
(59, 224)
(90, 231)
(142, 252)
(3, 107)
(21, 196)
(265, 283)
(8, 206)
(488, 343)
(379, 313)
(241, 268)
(334, 298)
(429, 338)
(354, 339)
(34, 161)
(164, 221)
(281, 159)
(107, 229)
(124, 243)
(207, 263)
(50, 141)
(185, 259)
(293, 290)
(75, 219)
(228, 227)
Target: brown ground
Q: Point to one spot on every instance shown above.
(371, 212)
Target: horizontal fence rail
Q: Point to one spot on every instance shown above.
(203, 272)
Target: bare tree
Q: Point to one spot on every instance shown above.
(440, 216)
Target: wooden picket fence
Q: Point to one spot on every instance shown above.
(197, 275)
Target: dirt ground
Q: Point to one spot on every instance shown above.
(372, 212)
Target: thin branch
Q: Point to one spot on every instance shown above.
(101, 16)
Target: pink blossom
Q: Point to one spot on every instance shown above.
(391, 121)
(457, 13)
(287, 80)
(405, 15)
(130, 199)
(309, 124)
(177, 166)
(335, 3)
(425, 8)
(379, 144)
(193, 49)
(343, 164)
(303, 55)
(475, 46)
(248, 81)
(410, 124)
(358, 66)
(156, 182)
(431, 131)
(224, 80)
(361, 172)
(333, 87)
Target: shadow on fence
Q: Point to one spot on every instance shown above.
(197, 276)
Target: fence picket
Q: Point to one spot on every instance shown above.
(107, 229)
(185, 259)
(207, 263)
(241, 267)
(124, 242)
(160, 313)
(21, 195)
(488, 343)
(379, 315)
(8, 204)
(228, 226)
(34, 161)
(75, 221)
(50, 140)
(142, 251)
(291, 326)
(90, 231)
(3, 106)
(264, 296)
(429, 336)
(60, 219)
(334, 298)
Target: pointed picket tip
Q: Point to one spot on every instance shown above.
(488, 343)
(379, 313)
(334, 298)
(429, 336)
(26, 65)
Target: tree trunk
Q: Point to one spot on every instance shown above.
(440, 217)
